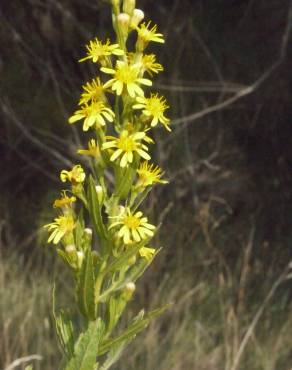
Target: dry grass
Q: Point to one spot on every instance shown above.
(205, 329)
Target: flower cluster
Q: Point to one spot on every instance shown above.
(132, 115)
(100, 230)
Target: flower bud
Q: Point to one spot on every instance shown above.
(95, 258)
(88, 231)
(129, 6)
(99, 192)
(88, 235)
(128, 290)
(70, 249)
(137, 17)
(123, 21)
(132, 260)
(80, 258)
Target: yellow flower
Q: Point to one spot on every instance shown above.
(93, 149)
(149, 64)
(96, 113)
(147, 253)
(126, 145)
(149, 175)
(97, 50)
(65, 201)
(146, 33)
(61, 226)
(153, 108)
(126, 77)
(75, 176)
(133, 227)
(92, 92)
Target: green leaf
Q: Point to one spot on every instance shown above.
(78, 231)
(64, 329)
(122, 261)
(87, 346)
(116, 308)
(28, 367)
(85, 287)
(113, 355)
(139, 268)
(95, 210)
(139, 323)
(68, 261)
(125, 180)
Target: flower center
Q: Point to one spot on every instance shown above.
(127, 144)
(126, 75)
(155, 106)
(132, 222)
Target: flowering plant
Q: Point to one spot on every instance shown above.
(100, 232)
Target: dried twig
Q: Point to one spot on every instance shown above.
(23, 360)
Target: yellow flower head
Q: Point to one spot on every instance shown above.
(96, 50)
(133, 227)
(95, 113)
(92, 92)
(149, 175)
(154, 108)
(75, 176)
(149, 64)
(126, 77)
(92, 151)
(126, 145)
(147, 253)
(61, 226)
(146, 33)
(64, 201)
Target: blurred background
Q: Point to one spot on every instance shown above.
(226, 214)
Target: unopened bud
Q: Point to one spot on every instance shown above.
(123, 22)
(99, 192)
(129, 290)
(70, 249)
(95, 258)
(132, 260)
(88, 234)
(80, 258)
(137, 17)
(129, 6)
(88, 231)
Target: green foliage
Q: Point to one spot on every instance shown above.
(86, 287)
(107, 261)
(86, 348)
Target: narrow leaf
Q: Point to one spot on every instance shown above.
(113, 355)
(85, 287)
(78, 231)
(86, 348)
(95, 210)
(137, 325)
(124, 182)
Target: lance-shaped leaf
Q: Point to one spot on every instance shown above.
(86, 348)
(122, 260)
(95, 210)
(85, 287)
(125, 180)
(139, 323)
(113, 355)
(116, 307)
(139, 268)
(78, 231)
